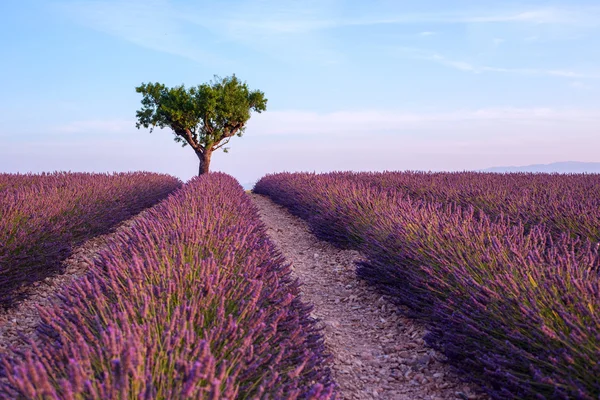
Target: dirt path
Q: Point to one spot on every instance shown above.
(23, 319)
(377, 353)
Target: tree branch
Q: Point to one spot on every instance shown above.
(207, 126)
(190, 139)
(232, 129)
(222, 144)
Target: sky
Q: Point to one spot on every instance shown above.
(351, 85)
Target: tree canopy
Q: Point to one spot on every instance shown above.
(205, 117)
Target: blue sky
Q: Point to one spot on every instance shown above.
(352, 85)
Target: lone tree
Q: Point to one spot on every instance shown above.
(205, 117)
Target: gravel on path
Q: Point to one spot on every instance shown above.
(376, 352)
(22, 320)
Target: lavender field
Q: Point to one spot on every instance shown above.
(503, 268)
(43, 217)
(189, 301)
(563, 203)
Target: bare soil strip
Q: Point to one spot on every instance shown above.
(22, 320)
(376, 352)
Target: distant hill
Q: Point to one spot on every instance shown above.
(563, 167)
(247, 185)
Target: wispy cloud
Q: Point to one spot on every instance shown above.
(288, 31)
(537, 16)
(420, 54)
(588, 16)
(310, 122)
(368, 122)
(95, 126)
(276, 26)
(579, 85)
(276, 19)
(152, 24)
(198, 31)
(301, 29)
(445, 140)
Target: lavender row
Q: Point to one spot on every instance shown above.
(518, 311)
(191, 302)
(44, 216)
(563, 202)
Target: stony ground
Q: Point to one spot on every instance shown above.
(377, 353)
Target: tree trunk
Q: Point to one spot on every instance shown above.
(204, 158)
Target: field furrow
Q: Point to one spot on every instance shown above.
(515, 308)
(189, 301)
(43, 217)
(377, 353)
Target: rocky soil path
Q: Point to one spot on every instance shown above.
(377, 353)
(21, 321)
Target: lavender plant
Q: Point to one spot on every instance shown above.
(564, 203)
(515, 307)
(191, 302)
(42, 217)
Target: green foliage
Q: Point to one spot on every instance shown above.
(204, 117)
